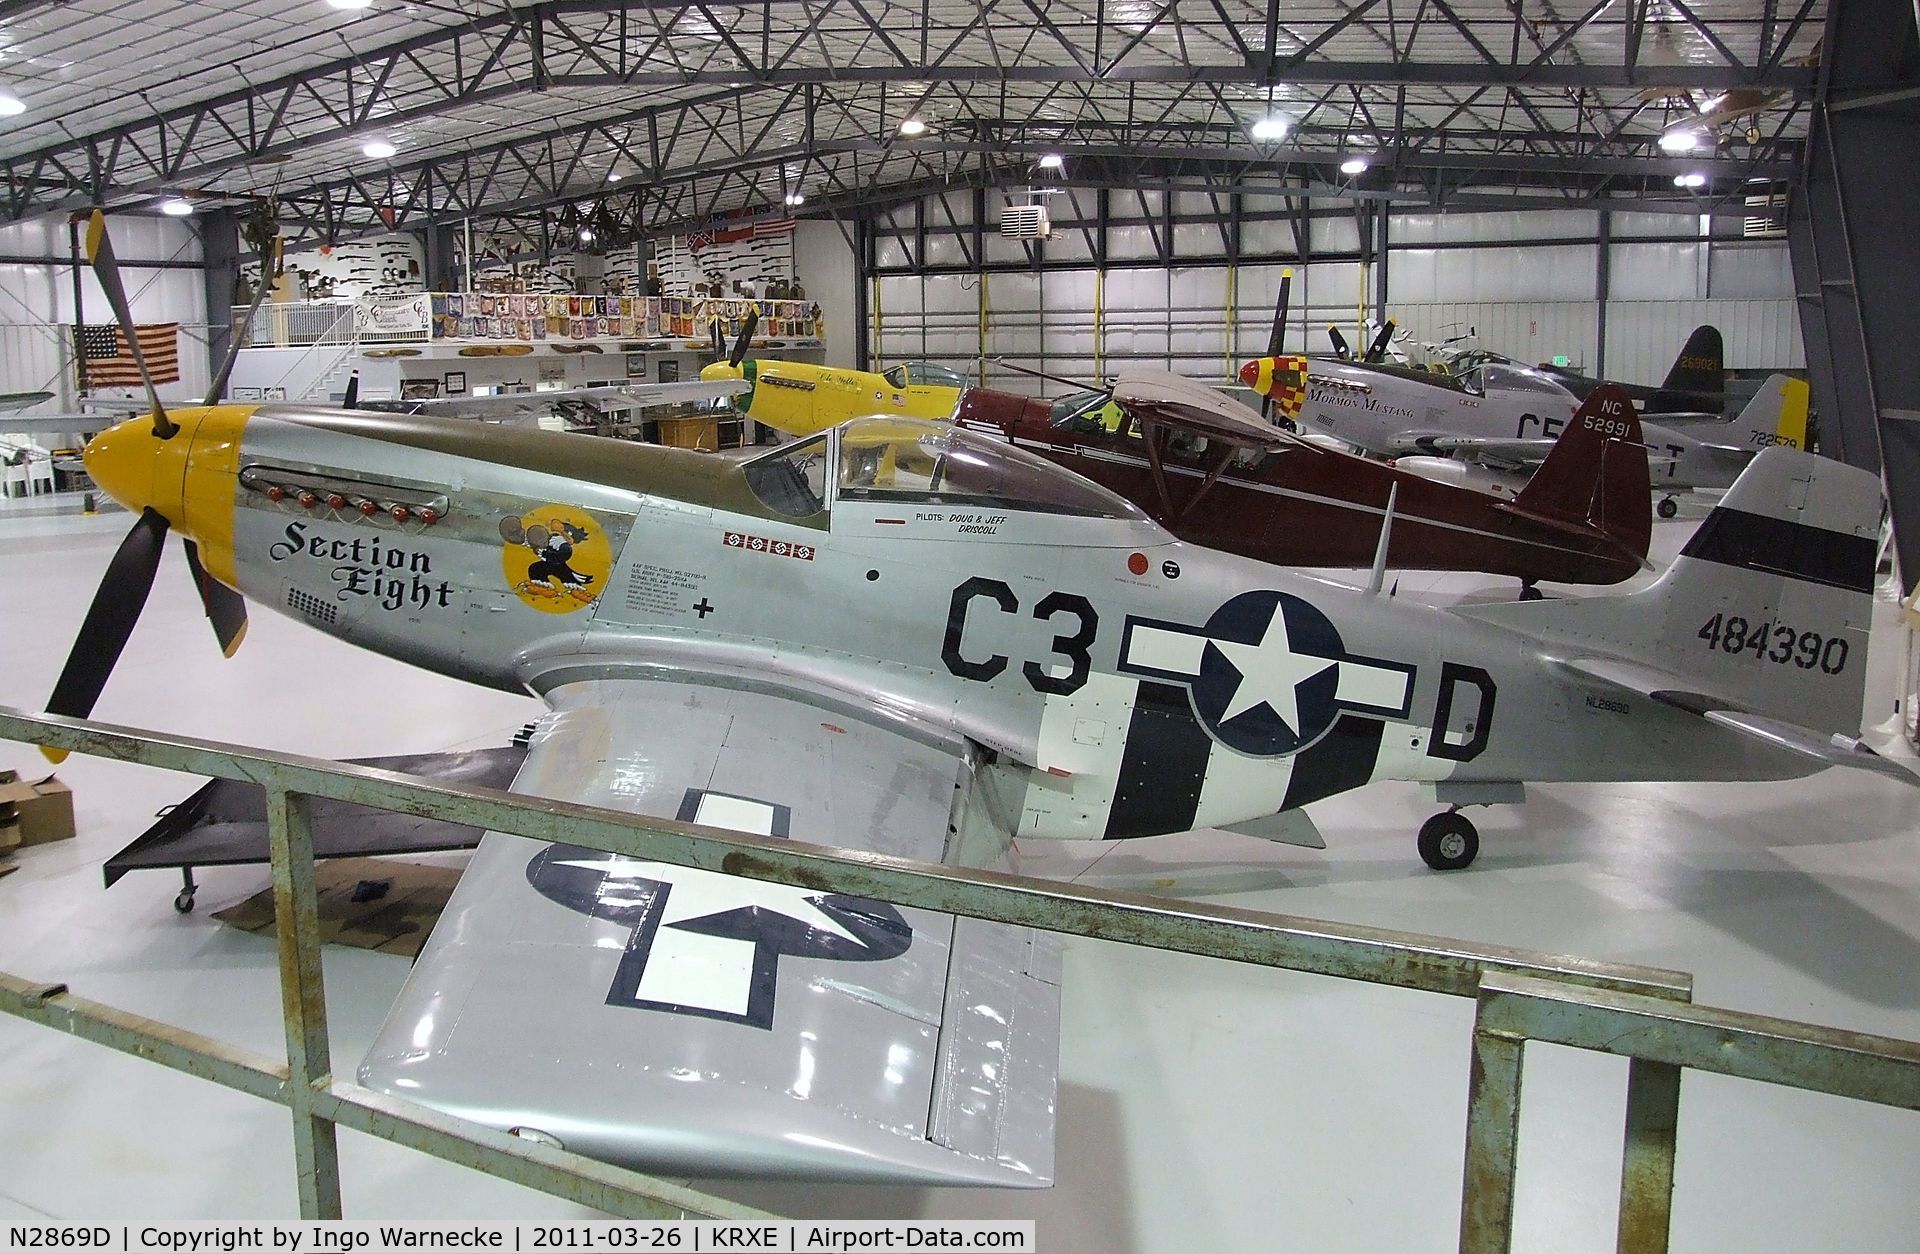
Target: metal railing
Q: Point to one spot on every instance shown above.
(1584, 1001)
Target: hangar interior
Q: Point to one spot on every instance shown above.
(1575, 185)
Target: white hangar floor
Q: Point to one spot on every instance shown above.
(1202, 1106)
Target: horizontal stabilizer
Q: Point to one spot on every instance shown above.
(1829, 748)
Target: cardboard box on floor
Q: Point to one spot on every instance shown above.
(38, 811)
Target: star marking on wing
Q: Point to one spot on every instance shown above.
(699, 894)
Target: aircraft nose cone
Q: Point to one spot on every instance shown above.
(125, 461)
(1250, 375)
(719, 372)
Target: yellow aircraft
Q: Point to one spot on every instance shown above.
(802, 399)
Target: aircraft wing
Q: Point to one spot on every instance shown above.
(1829, 748)
(684, 1021)
(1188, 405)
(615, 394)
(59, 424)
(1509, 452)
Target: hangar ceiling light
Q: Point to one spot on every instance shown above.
(1690, 180)
(1354, 165)
(1680, 139)
(1273, 126)
(176, 207)
(913, 126)
(378, 149)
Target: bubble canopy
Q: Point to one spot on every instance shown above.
(938, 463)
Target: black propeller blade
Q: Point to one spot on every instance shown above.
(739, 353)
(107, 270)
(1277, 338)
(719, 337)
(116, 608)
(1377, 351)
(350, 399)
(1340, 348)
(226, 609)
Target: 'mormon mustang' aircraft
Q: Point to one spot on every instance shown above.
(907, 637)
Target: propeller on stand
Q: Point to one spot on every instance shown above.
(1340, 346)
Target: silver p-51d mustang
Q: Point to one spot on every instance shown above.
(906, 637)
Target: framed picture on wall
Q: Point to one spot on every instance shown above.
(456, 382)
(669, 370)
(273, 394)
(246, 394)
(419, 389)
(636, 365)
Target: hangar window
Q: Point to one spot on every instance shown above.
(791, 480)
(898, 459)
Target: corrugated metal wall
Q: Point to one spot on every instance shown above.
(1526, 282)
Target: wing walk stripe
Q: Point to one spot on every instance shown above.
(1781, 546)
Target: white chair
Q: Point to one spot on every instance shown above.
(39, 469)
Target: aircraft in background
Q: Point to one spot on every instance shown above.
(1211, 471)
(801, 399)
(906, 637)
(1696, 383)
(1508, 415)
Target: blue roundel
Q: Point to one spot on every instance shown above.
(1270, 674)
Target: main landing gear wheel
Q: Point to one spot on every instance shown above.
(183, 901)
(1448, 841)
(1668, 507)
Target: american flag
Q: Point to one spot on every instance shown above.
(106, 363)
(772, 226)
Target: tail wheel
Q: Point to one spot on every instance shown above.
(1668, 507)
(1448, 841)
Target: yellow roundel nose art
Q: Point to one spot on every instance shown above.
(556, 559)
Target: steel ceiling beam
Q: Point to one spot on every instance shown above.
(640, 44)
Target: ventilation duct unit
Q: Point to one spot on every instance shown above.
(1766, 217)
(1025, 222)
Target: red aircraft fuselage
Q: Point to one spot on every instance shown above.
(1585, 517)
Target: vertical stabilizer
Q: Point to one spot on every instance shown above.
(1698, 378)
(1767, 607)
(1596, 474)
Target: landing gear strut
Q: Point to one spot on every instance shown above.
(1448, 841)
(1668, 507)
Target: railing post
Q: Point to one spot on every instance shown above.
(1646, 1169)
(303, 1001)
(1493, 1142)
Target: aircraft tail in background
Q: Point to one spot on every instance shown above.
(1698, 376)
(1596, 474)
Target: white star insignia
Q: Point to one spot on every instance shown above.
(1270, 673)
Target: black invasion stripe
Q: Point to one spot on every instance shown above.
(1163, 766)
(1779, 546)
(1340, 760)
